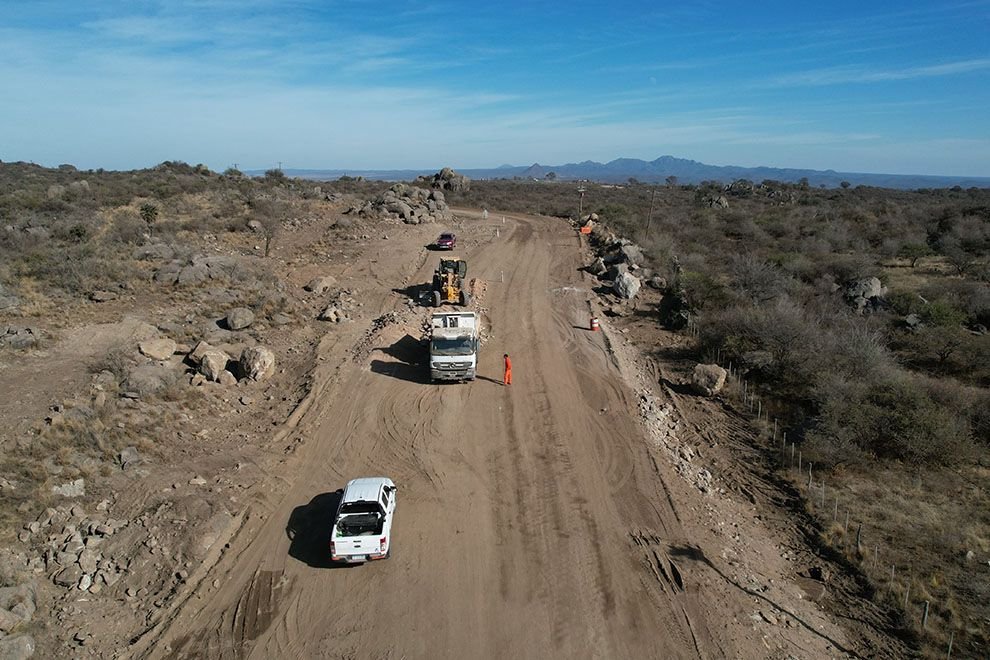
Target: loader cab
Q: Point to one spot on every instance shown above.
(455, 266)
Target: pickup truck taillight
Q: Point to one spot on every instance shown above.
(333, 550)
(382, 542)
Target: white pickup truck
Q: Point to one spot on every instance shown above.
(454, 345)
(362, 526)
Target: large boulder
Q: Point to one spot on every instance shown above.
(321, 284)
(147, 379)
(632, 254)
(627, 285)
(448, 179)
(708, 379)
(17, 647)
(597, 267)
(75, 488)
(865, 294)
(157, 349)
(239, 318)
(257, 362)
(212, 363)
(7, 299)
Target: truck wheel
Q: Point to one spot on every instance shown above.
(436, 298)
(465, 299)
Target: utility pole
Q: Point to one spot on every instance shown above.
(581, 204)
(649, 219)
(279, 166)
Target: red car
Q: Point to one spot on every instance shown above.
(446, 242)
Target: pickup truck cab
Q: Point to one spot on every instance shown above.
(362, 525)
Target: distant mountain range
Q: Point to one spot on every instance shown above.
(621, 170)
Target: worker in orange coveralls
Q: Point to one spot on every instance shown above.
(507, 379)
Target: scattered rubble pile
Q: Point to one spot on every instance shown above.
(663, 426)
(618, 261)
(407, 203)
(340, 307)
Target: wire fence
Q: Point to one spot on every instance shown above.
(831, 506)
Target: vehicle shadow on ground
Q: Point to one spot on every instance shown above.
(490, 380)
(409, 361)
(308, 530)
(694, 553)
(417, 292)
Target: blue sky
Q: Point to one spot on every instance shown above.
(853, 86)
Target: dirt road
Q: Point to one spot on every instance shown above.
(532, 520)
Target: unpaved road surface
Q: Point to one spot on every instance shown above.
(535, 520)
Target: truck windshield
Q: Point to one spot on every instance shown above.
(452, 346)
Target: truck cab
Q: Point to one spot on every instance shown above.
(454, 344)
(362, 524)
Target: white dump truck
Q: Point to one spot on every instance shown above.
(362, 526)
(454, 342)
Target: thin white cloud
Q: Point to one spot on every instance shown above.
(852, 75)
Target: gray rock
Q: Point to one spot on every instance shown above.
(617, 271)
(169, 273)
(17, 647)
(627, 286)
(103, 296)
(85, 582)
(129, 457)
(197, 353)
(157, 251)
(68, 577)
(148, 379)
(632, 253)
(213, 363)
(708, 379)
(193, 274)
(597, 267)
(157, 349)
(239, 318)
(89, 560)
(321, 284)
(331, 313)
(75, 488)
(227, 379)
(867, 287)
(657, 282)
(281, 319)
(913, 321)
(8, 620)
(257, 362)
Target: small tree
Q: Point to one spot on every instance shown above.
(844, 184)
(149, 213)
(269, 213)
(914, 252)
(671, 181)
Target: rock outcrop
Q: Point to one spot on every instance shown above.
(409, 204)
